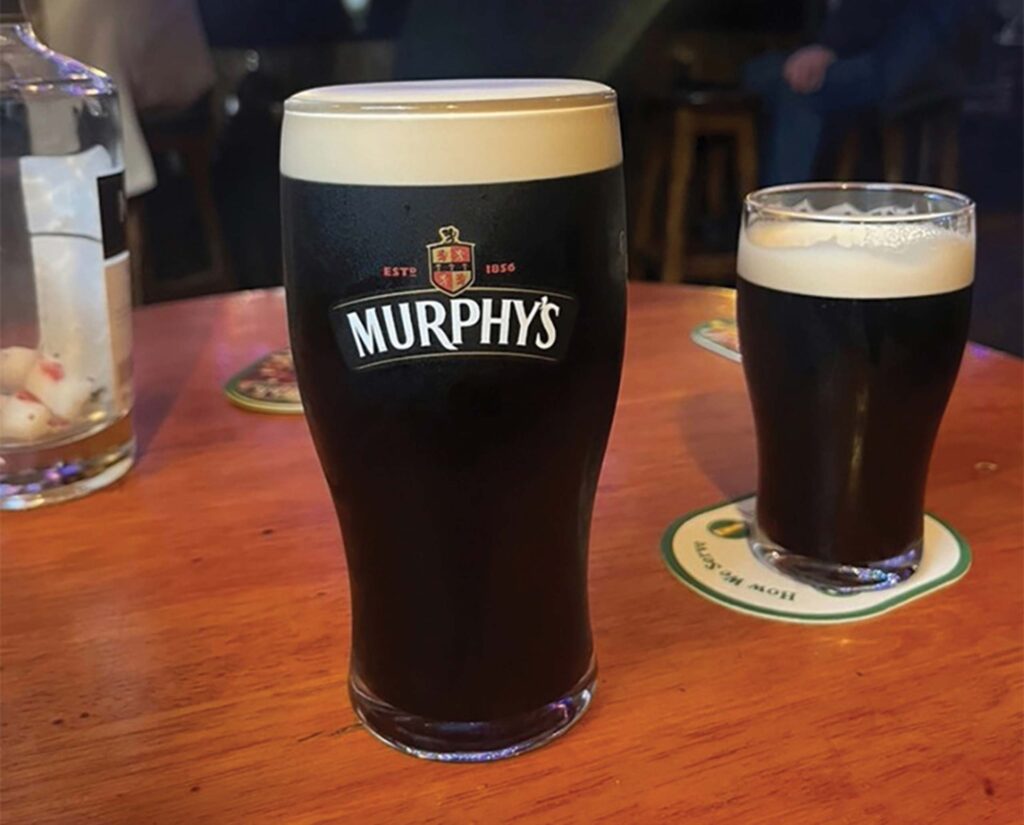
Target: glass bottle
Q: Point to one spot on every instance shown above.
(65, 285)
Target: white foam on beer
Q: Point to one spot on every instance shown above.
(859, 259)
(422, 133)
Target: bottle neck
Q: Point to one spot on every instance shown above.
(17, 32)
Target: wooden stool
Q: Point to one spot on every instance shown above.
(937, 133)
(696, 115)
(192, 140)
(931, 133)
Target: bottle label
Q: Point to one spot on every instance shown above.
(117, 274)
(78, 290)
(113, 214)
(454, 316)
(442, 273)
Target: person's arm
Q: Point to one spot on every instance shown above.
(854, 26)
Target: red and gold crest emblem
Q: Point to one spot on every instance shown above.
(452, 267)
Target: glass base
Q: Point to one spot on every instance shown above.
(835, 578)
(471, 741)
(65, 480)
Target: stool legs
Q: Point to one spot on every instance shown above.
(687, 126)
(676, 217)
(746, 156)
(894, 152)
(653, 176)
(717, 177)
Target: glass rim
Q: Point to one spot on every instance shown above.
(451, 97)
(753, 201)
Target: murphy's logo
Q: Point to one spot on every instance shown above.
(455, 317)
(450, 261)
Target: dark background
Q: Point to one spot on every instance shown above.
(652, 51)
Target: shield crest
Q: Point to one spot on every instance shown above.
(452, 264)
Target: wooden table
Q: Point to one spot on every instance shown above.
(174, 648)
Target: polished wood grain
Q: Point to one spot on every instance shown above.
(174, 648)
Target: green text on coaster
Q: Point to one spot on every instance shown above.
(709, 551)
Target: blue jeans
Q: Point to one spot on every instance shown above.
(794, 122)
(913, 63)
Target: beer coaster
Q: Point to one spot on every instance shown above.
(267, 385)
(718, 336)
(709, 551)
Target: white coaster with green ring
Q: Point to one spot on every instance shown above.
(709, 551)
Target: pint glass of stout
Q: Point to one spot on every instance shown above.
(455, 272)
(853, 303)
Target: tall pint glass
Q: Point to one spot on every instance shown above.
(455, 274)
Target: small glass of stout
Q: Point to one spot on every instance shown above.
(853, 307)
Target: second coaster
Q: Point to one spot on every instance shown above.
(719, 336)
(267, 385)
(709, 551)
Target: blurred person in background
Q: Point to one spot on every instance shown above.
(883, 55)
(155, 51)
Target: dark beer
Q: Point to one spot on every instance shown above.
(848, 395)
(851, 344)
(457, 314)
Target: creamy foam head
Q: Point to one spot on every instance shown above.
(887, 259)
(450, 132)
